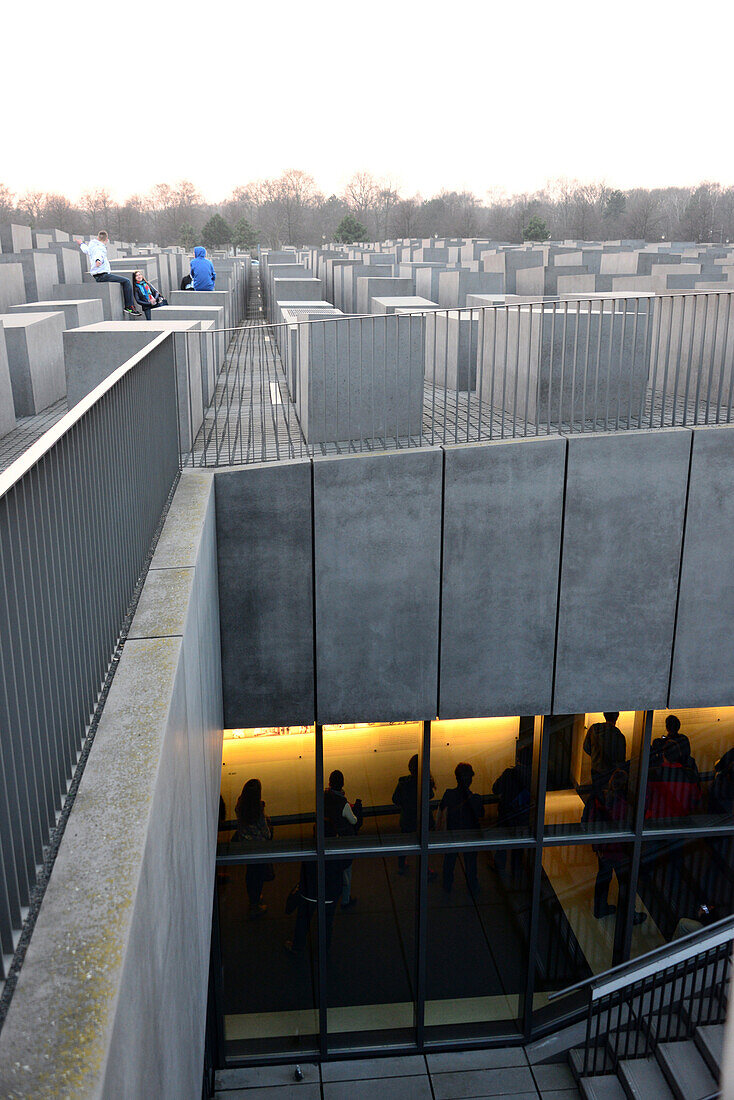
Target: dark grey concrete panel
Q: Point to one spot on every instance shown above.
(265, 594)
(702, 668)
(625, 500)
(377, 525)
(501, 552)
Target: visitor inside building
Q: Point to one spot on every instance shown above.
(468, 869)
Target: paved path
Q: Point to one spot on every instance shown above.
(456, 1076)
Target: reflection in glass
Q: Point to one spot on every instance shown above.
(691, 772)
(581, 910)
(269, 997)
(282, 758)
(592, 771)
(477, 949)
(493, 789)
(685, 885)
(373, 758)
(371, 960)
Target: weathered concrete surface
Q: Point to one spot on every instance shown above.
(83, 311)
(361, 378)
(12, 286)
(377, 530)
(93, 352)
(15, 238)
(111, 1000)
(109, 294)
(503, 506)
(702, 668)
(266, 599)
(40, 272)
(36, 359)
(7, 408)
(623, 524)
(203, 298)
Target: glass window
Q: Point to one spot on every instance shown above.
(477, 950)
(482, 772)
(371, 774)
(582, 901)
(371, 957)
(269, 992)
(592, 770)
(684, 885)
(281, 759)
(691, 773)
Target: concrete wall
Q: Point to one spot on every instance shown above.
(559, 588)
(503, 507)
(702, 668)
(266, 579)
(377, 549)
(123, 931)
(623, 525)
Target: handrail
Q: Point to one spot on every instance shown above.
(388, 810)
(676, 951)
(30, 457)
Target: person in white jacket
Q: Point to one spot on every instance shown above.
(99, 269)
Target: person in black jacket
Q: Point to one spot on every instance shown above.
(405, 796)
(512, 788)
(308, 897)
(346, 820)
(460, 810)
(606, 745)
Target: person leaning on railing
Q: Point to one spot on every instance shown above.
(254, 826)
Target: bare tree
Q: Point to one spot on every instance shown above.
(643, 214)
(32, 204)
(360, 194)
(97, 204)
(406, 217)
(7, 202)
(385, 199)
(700, 212)
(296, 190)
(57, 212)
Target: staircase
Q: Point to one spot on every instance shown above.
(655, 1025)
(682, 1069)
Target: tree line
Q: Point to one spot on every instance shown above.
(291, 210)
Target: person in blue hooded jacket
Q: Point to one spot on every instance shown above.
(202, 271)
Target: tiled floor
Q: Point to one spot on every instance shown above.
(457, 1076)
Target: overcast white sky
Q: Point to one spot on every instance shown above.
(466, 95)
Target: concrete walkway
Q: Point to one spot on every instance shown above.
(456, 1076)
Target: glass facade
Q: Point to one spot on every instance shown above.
(405, 884)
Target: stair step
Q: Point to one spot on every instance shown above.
(600, 1065)
(606, 1087)
(711, 1008)
(643, 1079)
(710, 1041)
(685, 1070)
(668, 1027)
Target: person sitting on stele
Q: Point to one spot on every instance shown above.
(146, 294)
(101, 272)
(202, 271)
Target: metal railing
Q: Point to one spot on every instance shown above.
(325, 383)
(662, 996)
(78, 512)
